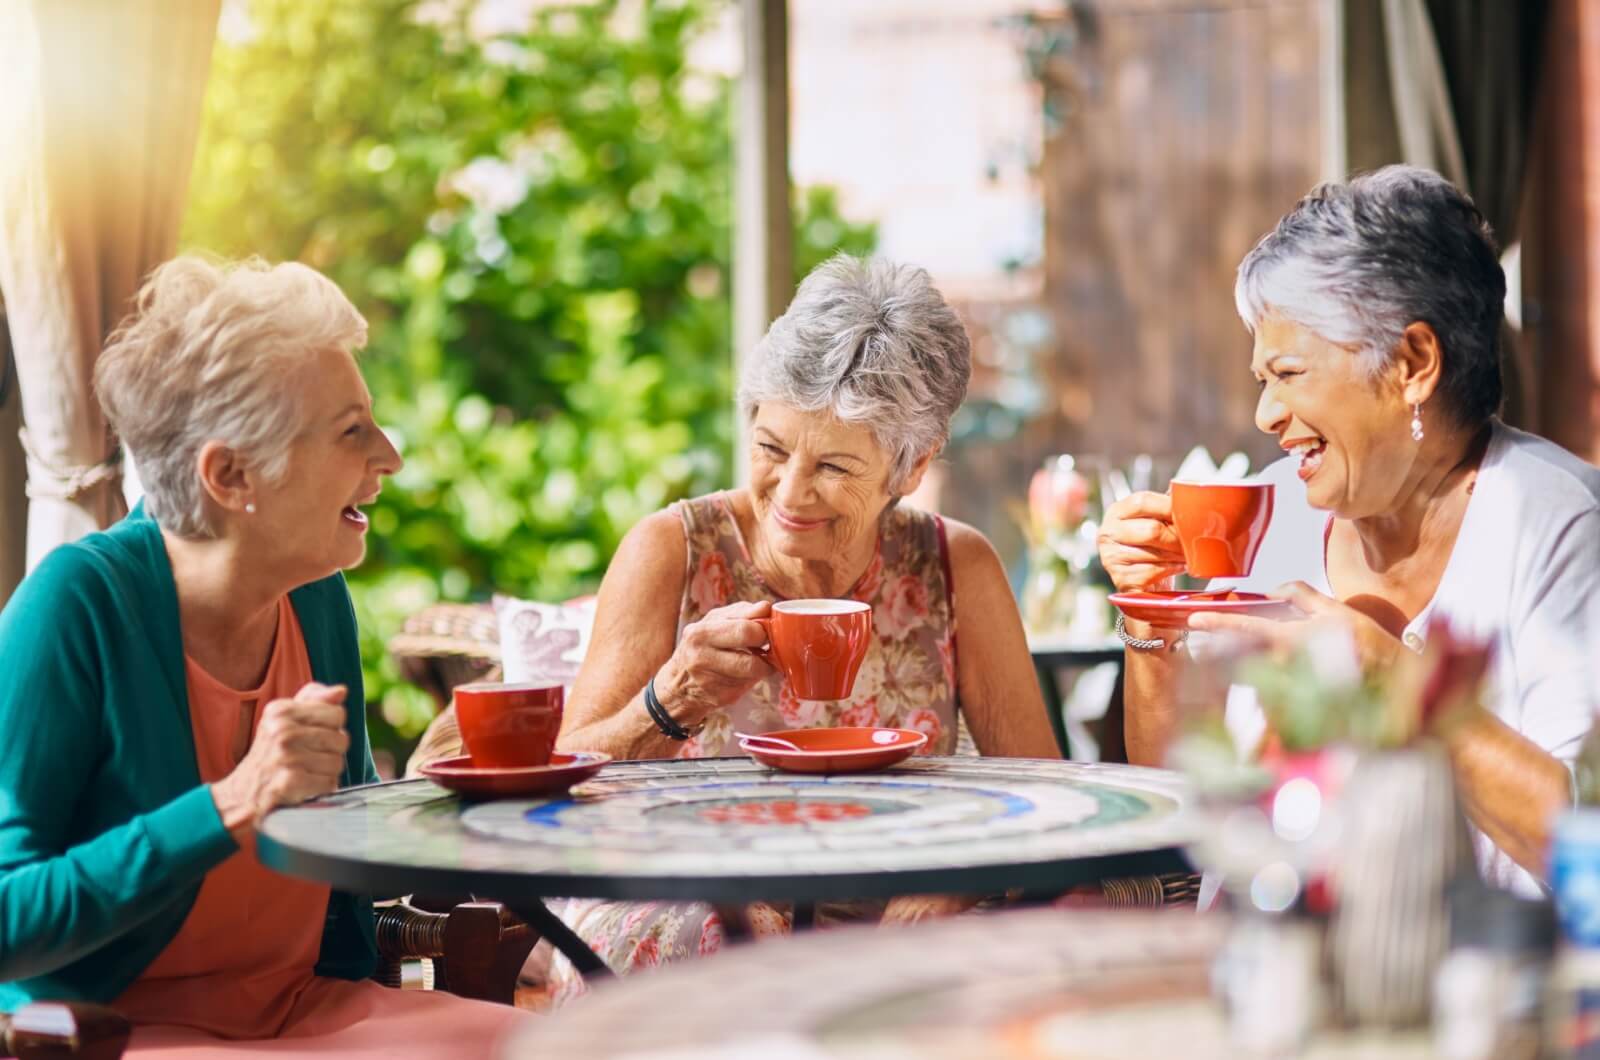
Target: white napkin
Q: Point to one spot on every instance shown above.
(1198, 466)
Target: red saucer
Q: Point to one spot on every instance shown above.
(1171, 609)
(474, 782)
(838, 750)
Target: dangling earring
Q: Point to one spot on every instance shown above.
(1416, 423)
(250, 506)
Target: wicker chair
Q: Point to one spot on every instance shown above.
(437, 649)
(446, 645)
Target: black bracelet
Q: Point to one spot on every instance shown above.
(659, 715)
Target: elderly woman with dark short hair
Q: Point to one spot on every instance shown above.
(1376, 308)
(848, 399)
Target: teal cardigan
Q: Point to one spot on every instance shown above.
(105, 828)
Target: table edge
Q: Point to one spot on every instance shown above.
(1039, 877)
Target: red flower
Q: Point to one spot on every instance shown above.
(635, 920)
(712, 585)
(1456, 666)
(927, 721)
(799, 713)
(647, 954)
(862, 713)
(1058, 496)
(904, 607)
(711, 934)
(869, 584)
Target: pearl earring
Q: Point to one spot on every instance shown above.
(1416, 423)
(250, 507)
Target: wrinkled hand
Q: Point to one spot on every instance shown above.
(715, 662)
(1375, 646)
(1139, 546)
(297, 754)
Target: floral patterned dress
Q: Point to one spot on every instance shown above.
(907, 681)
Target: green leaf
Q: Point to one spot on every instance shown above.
(538, 229)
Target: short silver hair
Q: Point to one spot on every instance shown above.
(1359, 262)
(868, 342)
(212, 352)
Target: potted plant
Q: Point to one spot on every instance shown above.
(1346, 808)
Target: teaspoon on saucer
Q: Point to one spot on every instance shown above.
(774, 741)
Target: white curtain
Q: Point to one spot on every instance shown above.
(99, 112)
(1450, 84)
(1421, 92)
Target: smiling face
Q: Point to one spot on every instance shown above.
(1351, 432)
(817, 485)
(308, 522)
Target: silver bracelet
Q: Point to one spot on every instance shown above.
(1140, 644)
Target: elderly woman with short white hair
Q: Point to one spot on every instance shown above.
(848, 401)
(171, 680)
(1376, 308)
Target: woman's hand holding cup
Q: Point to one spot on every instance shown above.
(1139, 545)
(715, 662)
(297, 754)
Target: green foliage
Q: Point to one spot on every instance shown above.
(537, 227)
(1317, 696)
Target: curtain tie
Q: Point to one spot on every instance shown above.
(47, 481)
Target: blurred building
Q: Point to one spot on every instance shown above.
(1081, 179)
(922, 114)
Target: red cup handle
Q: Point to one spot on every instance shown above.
(765, 651)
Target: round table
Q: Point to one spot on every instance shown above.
(728, 830)
(1041, 984)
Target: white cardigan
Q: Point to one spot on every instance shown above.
(1525, 573)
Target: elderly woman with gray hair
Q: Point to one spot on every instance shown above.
(848, 399)
(1376, 307)
(171, 680)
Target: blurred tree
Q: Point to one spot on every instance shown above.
(533, 212)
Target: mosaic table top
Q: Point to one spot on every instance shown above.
(1041, 984)
(729, 829)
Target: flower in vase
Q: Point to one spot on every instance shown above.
(1430, 691)
(1059, 523)
(1058, 497)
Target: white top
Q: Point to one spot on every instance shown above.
(1525, 572)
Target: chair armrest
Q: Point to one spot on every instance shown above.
(64, 1028)
(477, 947)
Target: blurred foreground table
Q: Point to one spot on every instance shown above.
(1040, 984)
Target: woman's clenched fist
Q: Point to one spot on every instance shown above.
(297, 754)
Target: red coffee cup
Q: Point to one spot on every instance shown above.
(509, 726)
(1221, 525)
(818, 645)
